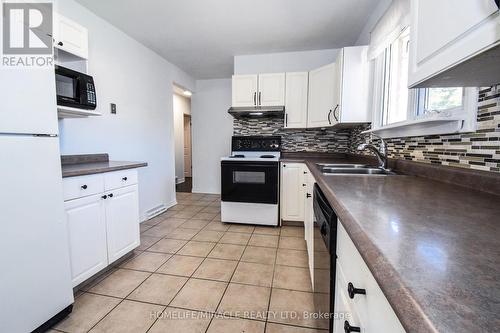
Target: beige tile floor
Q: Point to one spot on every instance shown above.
(193, 273)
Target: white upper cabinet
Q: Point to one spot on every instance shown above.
(71, 37)
(244, 90)
(444, 34)
(296, 99)
(352, 86)
(322, 98)
(258, 90)
(271, 89)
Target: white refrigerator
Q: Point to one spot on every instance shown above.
(35, 282)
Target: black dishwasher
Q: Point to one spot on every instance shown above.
(325, 244)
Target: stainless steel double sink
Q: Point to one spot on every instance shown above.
(352, 169)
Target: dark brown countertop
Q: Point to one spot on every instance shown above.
(433, 247)
(79, 165)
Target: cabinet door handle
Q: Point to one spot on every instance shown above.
(308, 195)
(354, 291)
(110, 195)
(329, 114)
(255, 98)
(260, 98)
(124, 179)
(348, 328)
(84, 187)
(335, 113)
(304, 185)
(60, 43)
(104, 197)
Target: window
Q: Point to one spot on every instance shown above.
(396, 58)
(452, 109)
(439, 100)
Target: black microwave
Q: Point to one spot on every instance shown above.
(75, 89)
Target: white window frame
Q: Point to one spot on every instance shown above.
(457, 120)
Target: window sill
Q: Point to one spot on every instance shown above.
(420, 127)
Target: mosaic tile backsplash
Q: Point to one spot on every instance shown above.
(478, 150)
(295, 140)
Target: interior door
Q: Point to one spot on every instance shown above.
(244, 90)
(271, 89)
(296, 99)
(187, 147)
(87, 237)
(122, 221)
(321, 96)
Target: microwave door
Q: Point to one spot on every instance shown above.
(67, 90)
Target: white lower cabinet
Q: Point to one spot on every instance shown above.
(292, 191)
(371, 311)
(87, 237)
(102, 227)
(122, 222)
(309, 219)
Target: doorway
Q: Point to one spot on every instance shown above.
(183, 141)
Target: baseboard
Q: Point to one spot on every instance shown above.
(205, 192)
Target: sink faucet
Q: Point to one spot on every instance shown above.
(380, 152)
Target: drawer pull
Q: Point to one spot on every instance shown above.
(104, 197)
(84, 187)
(124, 179)
(308, 195)
(110, 195)
(354, 291)
(348, 328)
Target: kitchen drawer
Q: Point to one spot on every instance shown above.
(375, 312)
(82, 186)
(344, 308)
(117, 179)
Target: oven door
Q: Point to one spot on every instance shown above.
(252, 182)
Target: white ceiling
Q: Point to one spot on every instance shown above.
(202, 36)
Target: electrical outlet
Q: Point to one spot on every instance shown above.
(113, 108)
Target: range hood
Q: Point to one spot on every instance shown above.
(257, 112)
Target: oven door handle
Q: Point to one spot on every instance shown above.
(251, 165)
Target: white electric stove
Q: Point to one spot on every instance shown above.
(250, 181)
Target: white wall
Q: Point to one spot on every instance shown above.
(212, 128)
(364, 36)
(283, 62)
(140, 82)
(182, 106)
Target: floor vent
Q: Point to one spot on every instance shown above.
(155, 211)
